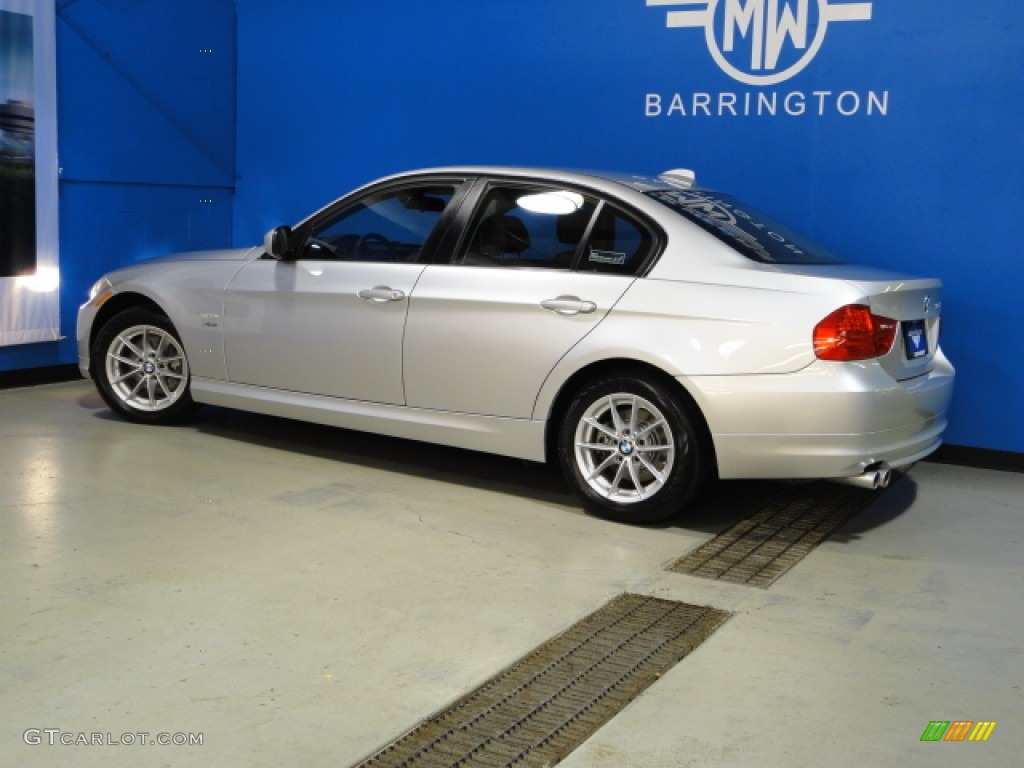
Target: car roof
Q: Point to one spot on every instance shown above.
(636, 182)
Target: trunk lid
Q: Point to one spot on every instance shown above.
(916, 303)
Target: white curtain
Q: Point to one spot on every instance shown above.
(29, 272)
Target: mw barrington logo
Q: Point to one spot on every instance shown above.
(762, 42)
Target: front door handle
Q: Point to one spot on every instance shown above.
(569, 305)
(380, 294)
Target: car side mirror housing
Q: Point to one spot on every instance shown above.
(278, 243)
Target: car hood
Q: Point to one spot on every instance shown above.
(235, 254)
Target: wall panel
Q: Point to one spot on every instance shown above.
(334, 94)
(146, 141)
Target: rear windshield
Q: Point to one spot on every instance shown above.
(749, 231)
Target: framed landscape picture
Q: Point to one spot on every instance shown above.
(29, 274)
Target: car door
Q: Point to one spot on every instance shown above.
(537, 269)
(329, 321)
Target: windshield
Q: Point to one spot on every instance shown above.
(746, 229)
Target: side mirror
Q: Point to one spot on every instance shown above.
(278, 242)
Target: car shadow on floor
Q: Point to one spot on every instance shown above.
(728, 502)
(723, 504)
(426, 460)
(889, 505)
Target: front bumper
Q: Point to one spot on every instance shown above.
(828, 420)
(86, 316)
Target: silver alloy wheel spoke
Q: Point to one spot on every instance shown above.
(597, 446)
(624, 448)
(650, 428)
(146, 368)
(127, 375)
(616, 418)
(618, 477)
(602, 467)
(136, 388)
(640, 487)
(127, 343)
(651, 468)
(601, 428)
(652, 448)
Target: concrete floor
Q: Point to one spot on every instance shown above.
(301, 596)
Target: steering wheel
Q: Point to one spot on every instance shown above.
(372, 247)
(319, 249)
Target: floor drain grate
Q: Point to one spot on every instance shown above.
(759, 549)
(542, 707)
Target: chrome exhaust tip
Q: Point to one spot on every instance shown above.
(875, 477)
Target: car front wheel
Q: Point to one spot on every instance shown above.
(631, 450)
(141, 369)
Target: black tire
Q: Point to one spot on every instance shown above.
(139, 365)
(631, 449)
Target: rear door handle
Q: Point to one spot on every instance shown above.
(569, 305)
(380, 294)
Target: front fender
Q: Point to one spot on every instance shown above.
(189, 293)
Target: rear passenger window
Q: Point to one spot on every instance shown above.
(527, 226)
(532, 225)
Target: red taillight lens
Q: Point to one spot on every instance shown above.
(853, 333)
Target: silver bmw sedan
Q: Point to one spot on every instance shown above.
(645, 333)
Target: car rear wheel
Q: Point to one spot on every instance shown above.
(141, 369)
(631, 450)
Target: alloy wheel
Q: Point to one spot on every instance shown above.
(624, 448)
(146, 368)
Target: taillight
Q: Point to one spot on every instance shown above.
(853, 332)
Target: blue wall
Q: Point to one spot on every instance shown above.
(928, 182)
(146, 138)
(330, 95)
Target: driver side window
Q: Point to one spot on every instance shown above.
(390, 226)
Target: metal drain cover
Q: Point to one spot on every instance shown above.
(762, 547)
(544, 706)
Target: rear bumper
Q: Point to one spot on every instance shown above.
(828, 420)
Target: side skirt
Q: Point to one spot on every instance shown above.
(519, 438)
